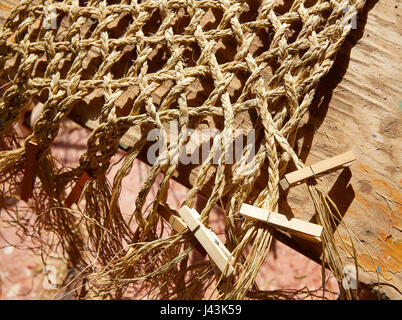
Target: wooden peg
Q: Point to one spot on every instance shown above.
(178, 225)
(75, 194)
(334, 163)
(307, 230)
(172, 218)
(31, 153)
(208, 239)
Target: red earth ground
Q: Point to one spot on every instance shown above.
(22, 273)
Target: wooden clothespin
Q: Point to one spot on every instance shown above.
(307, 230)
(216, 250)
(172, 218)
(177, 224)
(75, 194)
(334, 163)
(31, 153)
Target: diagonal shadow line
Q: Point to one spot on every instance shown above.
(340, 193)
(324, 93)
(325, 89)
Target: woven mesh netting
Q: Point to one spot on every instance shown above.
(151, 63)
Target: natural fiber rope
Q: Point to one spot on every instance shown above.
(304, 36)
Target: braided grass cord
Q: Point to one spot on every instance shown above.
(277, 50)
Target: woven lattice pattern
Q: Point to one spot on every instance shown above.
(148, 63)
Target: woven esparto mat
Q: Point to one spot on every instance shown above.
(151, 63)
